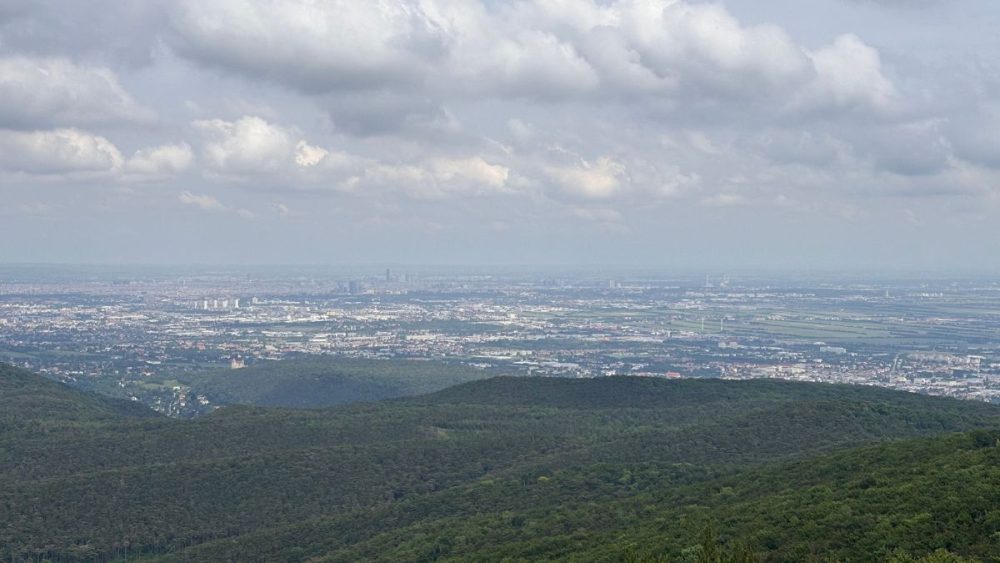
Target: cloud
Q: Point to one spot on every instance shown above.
(849, 76)
(600, 179)
(512, 59)
(201, 201)
(44, 92)
(807, 148)
(976, 137)
(58, 152)
(245, 146)
(307, 155)
(910, 149)
(76, 153)
(474, 170)
(332, 117)
(385, 61)
(127, 33)
(164, 160)
(708, 50)
(317, 46)
(210, 203)
(436, 178)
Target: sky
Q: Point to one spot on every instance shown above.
(741, 134)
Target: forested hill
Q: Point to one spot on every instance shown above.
(654, 392)
(531, 468)
(327, 381)
(26, 398)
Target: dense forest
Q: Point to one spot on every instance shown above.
(306, 382)
(325, 381)
(30, 401)
(615, 469)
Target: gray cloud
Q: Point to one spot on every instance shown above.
(912, 149)
(125, 33)
(43, 92)
(976, 137)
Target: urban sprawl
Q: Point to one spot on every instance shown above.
(114, 329)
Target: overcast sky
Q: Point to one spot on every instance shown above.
(737, 134)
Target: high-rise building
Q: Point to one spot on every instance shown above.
(388, 275)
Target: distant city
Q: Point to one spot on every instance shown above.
(125, 331)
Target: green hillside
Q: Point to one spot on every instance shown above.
(522, 467)
(27, 399)
(313, 382)
(891, 500)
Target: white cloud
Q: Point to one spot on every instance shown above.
(43, 92)
(474, 170)
(248, 145)
(592, 180)
(59, 151)
(849, 75)
(438, 178)
(210, 203)
(707, 49)
(510, 59)
(164, 160)
(201, 201)
(307, 155)
(315, 45)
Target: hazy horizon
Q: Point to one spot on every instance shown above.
(525, 271)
